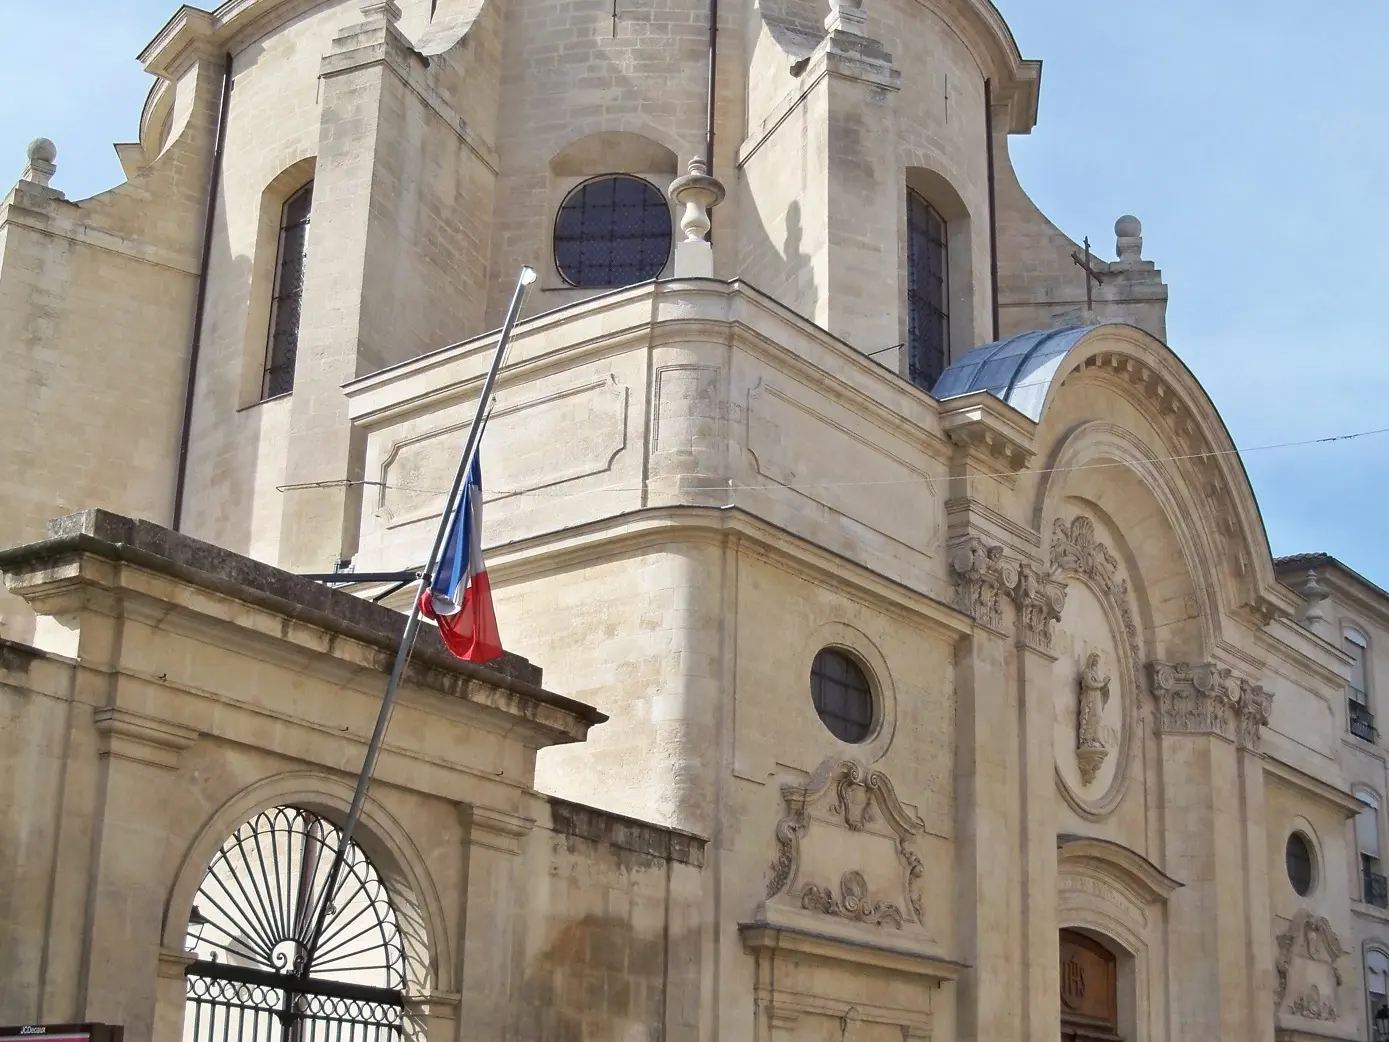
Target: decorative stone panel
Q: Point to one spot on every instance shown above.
(844, 849)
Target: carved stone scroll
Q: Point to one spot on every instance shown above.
(852, 902)
(1309, 976)
(848, 796)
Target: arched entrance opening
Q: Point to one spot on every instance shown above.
(1089, 990)
(263, 969)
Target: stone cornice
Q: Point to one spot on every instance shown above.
(769, 939)
(660, 526)
(1312, 787)
(981, 426)
(127, 735)
(139, 567)
(1144, 877)
(664, 313)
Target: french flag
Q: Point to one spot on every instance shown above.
(460, 599)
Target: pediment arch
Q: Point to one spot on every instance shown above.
(1032, 370)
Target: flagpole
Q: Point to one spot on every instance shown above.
(412, 624)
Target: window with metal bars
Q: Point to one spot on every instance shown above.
(928, 293)
(842, 696)
(283, 346)
(613, 230)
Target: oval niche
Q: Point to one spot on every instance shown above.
(1093, 699)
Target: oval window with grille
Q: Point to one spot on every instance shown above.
(613, 230)
(842, 695)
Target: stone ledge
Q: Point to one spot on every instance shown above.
(600, 826)
(113, 537)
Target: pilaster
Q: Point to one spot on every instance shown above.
(125, 966)
(492, 937)
(395, 155)
(1209, 725)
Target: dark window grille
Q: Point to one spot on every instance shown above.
(1297, 858)
(285, 305)
(842, 696)
(614, 230)
(1362, 721)
(928, 293)
(1376, 886)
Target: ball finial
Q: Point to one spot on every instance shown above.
(1128, 227)
(41, 150)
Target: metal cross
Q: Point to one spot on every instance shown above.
(1090, 273)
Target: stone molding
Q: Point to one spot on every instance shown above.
(858, 796)
(127, 735)
(1311, 938)
(985, 575)
(1207, 698)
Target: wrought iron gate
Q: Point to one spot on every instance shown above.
(259, 975)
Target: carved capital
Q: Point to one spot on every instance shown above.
(1252, 712)
(982, 576)
(1040, 600)
(1194, 698)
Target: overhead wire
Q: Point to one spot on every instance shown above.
(925, 479)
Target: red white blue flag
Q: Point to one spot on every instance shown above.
(460, 599)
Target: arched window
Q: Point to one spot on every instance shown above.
(253, 926)
(1377, 992)
(1375, 889)
(283, 347)
(611, 231)
(928, 293)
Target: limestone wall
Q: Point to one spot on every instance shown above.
(96, 303)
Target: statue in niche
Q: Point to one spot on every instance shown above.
(1094, 696)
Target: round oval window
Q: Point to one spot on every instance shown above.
(1298, 858)
(842, 695)
(612, 231)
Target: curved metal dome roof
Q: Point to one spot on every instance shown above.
(1018, 370)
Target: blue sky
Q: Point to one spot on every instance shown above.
(1245, 136)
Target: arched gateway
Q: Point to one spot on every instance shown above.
(260, 975)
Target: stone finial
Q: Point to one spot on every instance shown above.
(847, 16)
(41, 166)
(1313, 593)
(697, 192)
(385, 9)
(1129, 232)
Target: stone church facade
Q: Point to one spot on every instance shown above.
(915, 662)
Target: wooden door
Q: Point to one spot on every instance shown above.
(1089, 990)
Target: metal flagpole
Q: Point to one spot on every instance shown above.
(412, 625)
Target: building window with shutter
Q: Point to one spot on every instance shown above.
(928, 293)
(283, 346)
(1362, 721)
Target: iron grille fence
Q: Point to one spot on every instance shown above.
(242, 1004)
(1362, 721)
